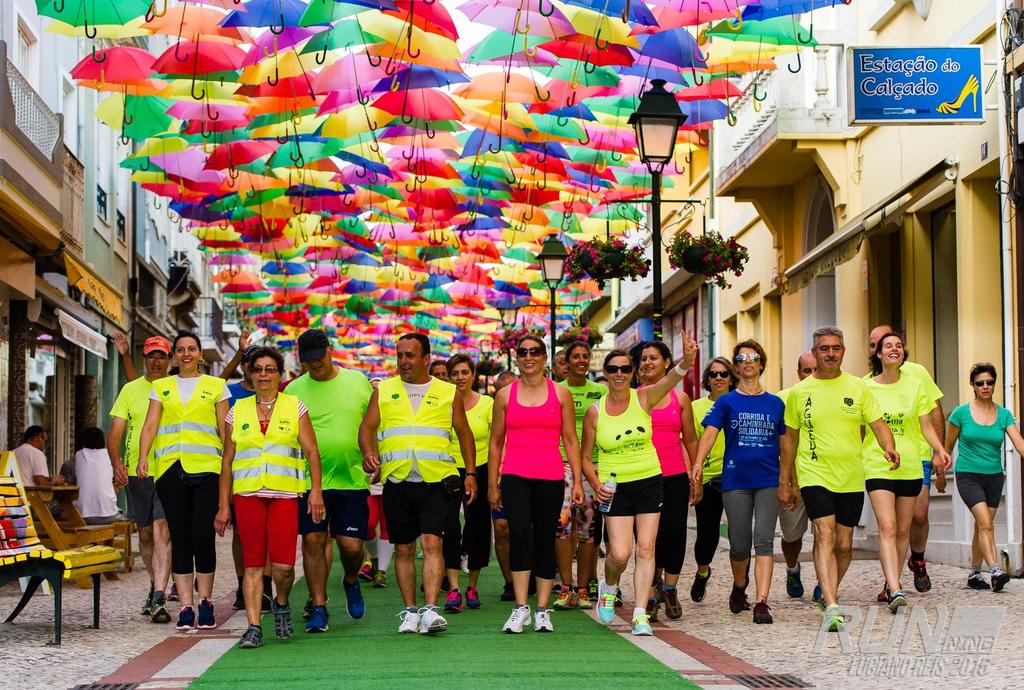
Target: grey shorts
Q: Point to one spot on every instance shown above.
(975, 488)
(143, 502)
(793, 523)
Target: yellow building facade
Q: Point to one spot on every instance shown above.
(858, 226)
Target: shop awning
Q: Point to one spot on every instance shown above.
(77, 332)
(837, 249)
(81, 277)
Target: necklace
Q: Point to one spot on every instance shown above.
(759, 391)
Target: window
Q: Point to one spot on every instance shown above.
(104, 144)
(26, 53)
(122, 227)
(101, 203)
(69, 108)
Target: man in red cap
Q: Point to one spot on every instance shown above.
(129, 413)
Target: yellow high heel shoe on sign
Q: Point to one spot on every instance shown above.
(953, 107)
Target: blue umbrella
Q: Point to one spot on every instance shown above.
(676, 47)
(274, 14)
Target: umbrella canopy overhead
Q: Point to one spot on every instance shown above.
(375, 166)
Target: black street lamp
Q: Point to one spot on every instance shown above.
(657, 122)
(509, 317)
(552, 265)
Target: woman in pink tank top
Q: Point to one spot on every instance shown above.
(530, 417)
(673, 429)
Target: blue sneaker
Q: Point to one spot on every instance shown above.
(317, 620)
(817, 598)
(606, 606)
(186, 618)
(642, 625)
(355, 605)
(206, 618)
(794, 587)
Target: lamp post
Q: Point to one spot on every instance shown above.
(657, 122)
(509, 317)
(552, 265)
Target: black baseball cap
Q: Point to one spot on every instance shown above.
(313, 344)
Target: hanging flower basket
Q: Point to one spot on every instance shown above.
(581, 334)
(489, 367)
(603, 260)
(708, 254)
(509, 338)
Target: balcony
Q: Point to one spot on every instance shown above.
(778, 109)
(72, 204)
(31, 159)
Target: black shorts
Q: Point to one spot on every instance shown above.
(638, 497)
(822, 503)
(346, 513)
(415, 508)
(975, 488)
(903, 488)
(144, 505)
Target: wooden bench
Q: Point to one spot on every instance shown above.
(71, 532)
(23, 555)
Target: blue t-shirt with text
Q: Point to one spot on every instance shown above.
(752, 425)
(238, 391)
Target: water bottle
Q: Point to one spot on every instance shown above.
(609, 486)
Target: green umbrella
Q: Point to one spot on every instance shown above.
(573, 71)
(86, 13)
(501, 44)
(780, 31)
(342, 35)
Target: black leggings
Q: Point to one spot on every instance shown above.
(190, 513)
(709, 522)
(671, 544)
(532, 506)
(475, 536)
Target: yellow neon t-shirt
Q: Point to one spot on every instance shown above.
(829, 414)
(902, 404)
(713, 463)
(931, 391)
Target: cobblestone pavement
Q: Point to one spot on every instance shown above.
(968, 633)
(86, 654)
(972, 641)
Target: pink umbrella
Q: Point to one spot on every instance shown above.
(512, 19)
(192, 110)
(268, 43)
(189, 165)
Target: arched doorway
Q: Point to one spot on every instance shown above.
(820, 294)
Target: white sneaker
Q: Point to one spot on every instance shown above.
(519, 619)
(431, 621)
(542, 621)
(410, 621)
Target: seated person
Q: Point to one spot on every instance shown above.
(97, 501)
(32, 463)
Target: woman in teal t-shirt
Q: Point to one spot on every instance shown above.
(980, 427)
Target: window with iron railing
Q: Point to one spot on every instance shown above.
(122, 227)
(101, 203)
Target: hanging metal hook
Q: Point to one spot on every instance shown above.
(540, 8)
(810, 35)
(98, 57)
(799, 65)
(278, 30)
(598, 43)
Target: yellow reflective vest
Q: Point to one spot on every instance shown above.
(273, 461)
(424, 436)
(188, 432)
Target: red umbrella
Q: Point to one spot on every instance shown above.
(120, 63)
(425, 104)
(190, 58)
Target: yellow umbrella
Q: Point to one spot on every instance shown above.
(113, 31)
(352, 121)
(412, 39)
(599, 26)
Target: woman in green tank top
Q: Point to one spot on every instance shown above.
(619, 426)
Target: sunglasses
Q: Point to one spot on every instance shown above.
(986, 382)
(264, 370)
(747, 357)
(718, 374)
(624, 369)
(531, 351)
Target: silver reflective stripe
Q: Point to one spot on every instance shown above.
(187, 426)
(406, 454)
(250, 453)
(169, 450)
(283, 450)
(414, 431)
(199, 450)
(196, 426)
(278, 470)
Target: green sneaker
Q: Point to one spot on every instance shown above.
(835, 618)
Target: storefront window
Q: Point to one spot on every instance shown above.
(820, 293)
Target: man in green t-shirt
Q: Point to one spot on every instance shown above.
(578, 520)
(129, 414)
(821, 453)
(919, 527)
(337, 399)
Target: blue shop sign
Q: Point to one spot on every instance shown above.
(916, 85)
(637, 332)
